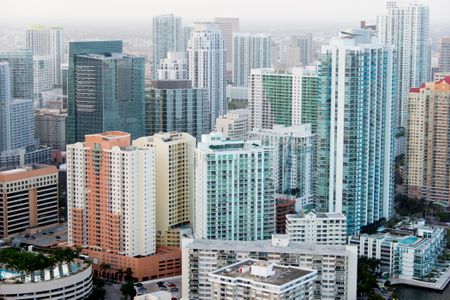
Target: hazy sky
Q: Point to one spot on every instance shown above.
(19, 11)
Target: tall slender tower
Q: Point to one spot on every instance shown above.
(250, 51)
(444, 55)
(406, 27)
(5, 101)
(167, 37)
(47, 41)
(356, 129)
(428, 142)
(207, 65)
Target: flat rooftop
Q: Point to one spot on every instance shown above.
(267, 246)
(281, 275)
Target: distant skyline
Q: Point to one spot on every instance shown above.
(298, 11)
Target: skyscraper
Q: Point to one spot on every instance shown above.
(5, 101)
(207, 66)
(228, 26)
(355, 162)
(174, 160)
(173, 105)
(428, 142)
(406, 27)
(250, 51)
(233, 191)
(106, 90)
(43, 74)
(444, 55)
(167, 37)
(47, 41)
(173, 67)
(111, 198)
(21, 68)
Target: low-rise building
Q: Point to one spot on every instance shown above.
(28, 198)
(404, 254)
(336, 265)
(64, 281)
(256, 279)
(317, 228)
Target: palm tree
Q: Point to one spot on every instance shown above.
(129, 275)
(105, 267)
(127, 289)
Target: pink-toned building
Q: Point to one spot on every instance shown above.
(428, 154)
(111, 204)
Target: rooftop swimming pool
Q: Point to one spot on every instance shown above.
(409, 240)
(4, 273)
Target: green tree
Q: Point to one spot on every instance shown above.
(128, 290)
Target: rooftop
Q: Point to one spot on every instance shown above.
(264, 272)
(267, 246)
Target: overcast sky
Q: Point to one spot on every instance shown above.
(328, 11)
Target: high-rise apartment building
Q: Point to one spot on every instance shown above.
(48, 41)
(43, 74)
(5, 102)
(174, 105)
(21, 68)
(250, 51)
(257, 279)
(167, 37)
(357, 109)
(444, 55)
(428, 142)
(233, 192)
(228, 26)
(406, 27)
(28, 198)
(111, 199)
(106, 90)
(305, 96)
(51, 128)
(283, 98)
(270, 98)
(292, 158)
(174, 67)
(206, 56)
(336, 265)
(235, 125)
(174, 160)
(317, 228)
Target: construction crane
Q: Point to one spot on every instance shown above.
(287, 169)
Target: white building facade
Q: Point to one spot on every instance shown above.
(250, 51)
(317, 228)
(406, 27)
(206, 55)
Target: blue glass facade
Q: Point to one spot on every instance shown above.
(106, 90)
